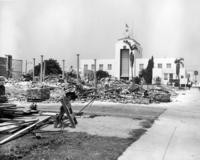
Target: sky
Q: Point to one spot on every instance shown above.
(60, 29)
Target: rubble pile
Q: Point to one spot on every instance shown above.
(108, 89)
(38, 94)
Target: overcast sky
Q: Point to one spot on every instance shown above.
(62, 28)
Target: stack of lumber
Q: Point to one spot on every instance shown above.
(38, 94)
(14, 122)
(14, 128)
(11, 111)
(12, 125)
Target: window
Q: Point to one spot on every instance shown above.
(141, 67)
(85, 67)
(165, 76)
(169, 65)
(159, 65)
(100, 66)
(92, 66)
(109, 66)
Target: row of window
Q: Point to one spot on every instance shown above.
(109, 67)
(168, 65)
(159, 65)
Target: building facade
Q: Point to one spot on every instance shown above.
(164, 68)
(11, 68)
(120, 66)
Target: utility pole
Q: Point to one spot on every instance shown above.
(95, 77)
(41, 68)
(63, 70)
(33, 69)
(78, 67)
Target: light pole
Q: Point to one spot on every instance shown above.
(63, 71)
(78, 67)
(44, 70)
(26, 67)
(41, 68)
(33, 69)
(95, 77)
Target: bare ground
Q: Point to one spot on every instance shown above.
(96, 137)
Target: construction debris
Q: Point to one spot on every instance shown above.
(38, 94)
(11, 111)
(18, 121)
(26, 129)
(108, 89)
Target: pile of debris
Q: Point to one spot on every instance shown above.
(15, 122)
(108, 89)
(12, 111)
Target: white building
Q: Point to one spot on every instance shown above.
(164, 68)
(120, 67)
(101, 64)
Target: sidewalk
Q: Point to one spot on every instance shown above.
(175, 136)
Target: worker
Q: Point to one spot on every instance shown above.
(69, 96)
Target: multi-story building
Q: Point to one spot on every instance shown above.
(164, 68)
(120, 66)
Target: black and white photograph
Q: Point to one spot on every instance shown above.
(99, 80)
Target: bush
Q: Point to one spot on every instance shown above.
(137, 80)
(101, 74)
(158, 81)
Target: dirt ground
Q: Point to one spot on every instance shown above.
(105, 126)
(97, 136)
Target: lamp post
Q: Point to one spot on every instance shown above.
(41, 68)
(95, 77)
(33, 69)
(78, 78)
(63, 70)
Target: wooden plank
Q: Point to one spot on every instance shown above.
(67, 111)
(17, 123)
(48, 114)
(25, 130)
(7, 105)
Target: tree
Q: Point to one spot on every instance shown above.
(137, 80)
(101, 74)
(178, 62)
(133, 48)
(147, 73)
(52, 67)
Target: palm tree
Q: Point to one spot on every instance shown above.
(133, 48)
(178, 62)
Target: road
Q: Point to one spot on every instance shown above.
(175, 136)
(110, 109)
